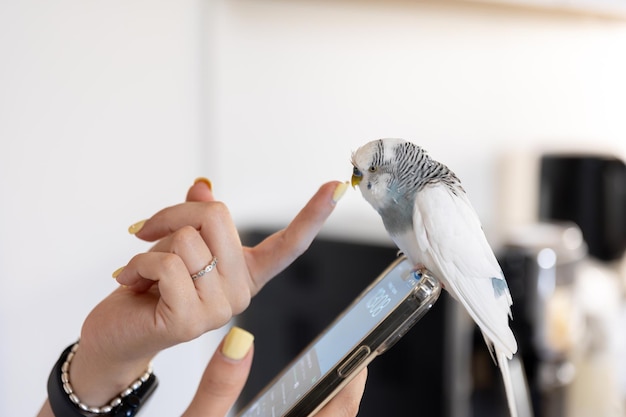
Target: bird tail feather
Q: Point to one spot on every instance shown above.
(503, 364)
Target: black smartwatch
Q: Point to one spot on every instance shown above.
(127, 404)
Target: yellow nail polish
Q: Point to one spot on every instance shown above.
(135, 228)
(237, 343)
(340, 191)
(117, 272)
(204, 180)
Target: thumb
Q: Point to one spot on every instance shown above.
(224, 376)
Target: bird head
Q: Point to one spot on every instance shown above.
(373, 170)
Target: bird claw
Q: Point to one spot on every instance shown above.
(421, 270)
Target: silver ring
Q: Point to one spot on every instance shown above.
(206, 269)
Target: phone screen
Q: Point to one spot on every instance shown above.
(357, 322)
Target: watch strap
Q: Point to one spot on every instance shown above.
(62, 405)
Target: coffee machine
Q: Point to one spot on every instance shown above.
(582, 220)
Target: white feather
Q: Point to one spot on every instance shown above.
(503, 363)
(448, 239)
(452, 244)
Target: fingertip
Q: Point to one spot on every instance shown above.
(135, 228)
(117, 272)
(131, 280)
(201, 190)
(348, 400)
(339, 191)
(332, 191)
(124, 278)
(204, 181)
(237, 344)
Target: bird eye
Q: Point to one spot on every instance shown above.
(356, 172)
(372, 169)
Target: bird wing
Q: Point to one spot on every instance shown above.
(453, 244)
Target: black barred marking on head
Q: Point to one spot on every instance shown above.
(393, 172)
(379, 155)
(415, 169)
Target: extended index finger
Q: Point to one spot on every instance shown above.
(279, 250)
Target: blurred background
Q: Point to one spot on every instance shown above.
(109, 110)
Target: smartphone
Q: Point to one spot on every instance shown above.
(375, 320)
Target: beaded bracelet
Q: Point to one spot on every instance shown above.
(64, 401)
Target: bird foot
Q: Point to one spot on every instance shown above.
(420, 269)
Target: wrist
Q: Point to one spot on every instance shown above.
(64, 401)
(96, 378)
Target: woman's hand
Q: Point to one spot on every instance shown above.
(122, 334)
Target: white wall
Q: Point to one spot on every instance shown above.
(472, 84)
(109, 110)
(100, 127)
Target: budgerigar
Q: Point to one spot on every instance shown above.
(429, 217)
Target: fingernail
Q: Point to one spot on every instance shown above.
(135, 228)
(340, 191)
(237, 343)
(117, 272)
(204, 180)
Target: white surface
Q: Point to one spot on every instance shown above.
(300, 85)
(99, 128)
(109, 110)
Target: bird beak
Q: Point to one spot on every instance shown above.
(356, 179)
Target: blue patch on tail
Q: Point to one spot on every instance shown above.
(499, 286)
